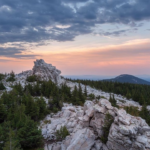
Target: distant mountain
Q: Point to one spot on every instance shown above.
(125, 78)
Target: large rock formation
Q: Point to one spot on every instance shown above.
(46, 71)
(43, 71)
(85, 125)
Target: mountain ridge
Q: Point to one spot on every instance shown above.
(126, 78)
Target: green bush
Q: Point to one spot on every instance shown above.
(12, 143)
(29, 136)
(113, 101)
(11, 77)
(132, 110)
(91, 96)
(107, 124)
(32, 78)
(2, 76)
(2, 87)
(62, 133)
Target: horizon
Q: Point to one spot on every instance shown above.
(97, 37)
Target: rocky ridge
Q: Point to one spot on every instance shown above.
(85, 125)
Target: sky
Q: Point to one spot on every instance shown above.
(79, 37)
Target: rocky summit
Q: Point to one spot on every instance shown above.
(86, 123)
(46, 71)
(43, 71)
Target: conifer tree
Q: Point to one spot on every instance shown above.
(113, 101)
(12, 142)
(85, 91)
(3, 112)
(11, 77)
(81, 96)
(75, 98)
(32, 108)
(2, 87)
(29, 135)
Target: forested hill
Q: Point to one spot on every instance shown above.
(137, 92)
(125, 78)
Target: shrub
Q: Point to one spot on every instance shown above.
(113, 101)
(91, 96)
(2, 76)
(12, 143)
(11, 77)
(132, 110)
(29, 136)
(107, 124)
(62, 133)
(2, 87)
(31, 78)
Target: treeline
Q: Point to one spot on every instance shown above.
(18, 120)
(22, 109)
(56, 94)
(137, 92)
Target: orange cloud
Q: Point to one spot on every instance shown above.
(132, 57)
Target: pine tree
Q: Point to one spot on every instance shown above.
(107, 124)
(75, 98)
(29, 135)
(11, 77)
(85, 91)
(41, 104)
(32, 108)
(113, 101)
(81, 96)
(2, 87)
(11, 143)
(3, 112)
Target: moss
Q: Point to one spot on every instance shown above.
(47, 121)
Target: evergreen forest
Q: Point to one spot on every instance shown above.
(22, 108)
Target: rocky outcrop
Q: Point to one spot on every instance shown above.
(43, 71)
(46, 71)
(85, 125)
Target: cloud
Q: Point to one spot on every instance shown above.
(113, 33)
(36, 20)
(131, 57)
(15, 53)
(131, 50)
